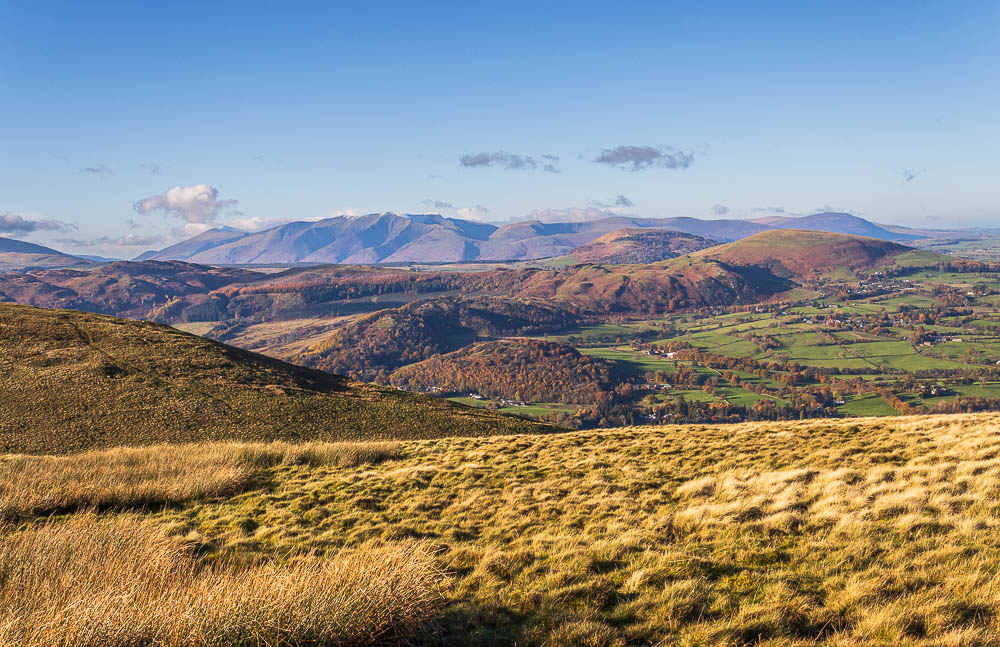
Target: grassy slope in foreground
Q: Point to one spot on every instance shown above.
(72, 381)
(820, 532)
(844, 532)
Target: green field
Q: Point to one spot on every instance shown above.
(629, 362)
(867, 406)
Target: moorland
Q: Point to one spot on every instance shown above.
(835, 532)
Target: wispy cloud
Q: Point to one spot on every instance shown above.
(639, 158)
(199, 205)
(437, 204)
(100, 170)
(507, 160)
(618, 201)
(15, 224)
(780, 211)
(910, 175)
(831, 209)
(720, 209)
(150, 167)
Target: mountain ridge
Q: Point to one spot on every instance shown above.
(21, 256)
(404, 238)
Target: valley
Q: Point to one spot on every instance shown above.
(782, 324)
(509, 324)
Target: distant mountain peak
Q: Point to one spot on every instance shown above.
(835, 222)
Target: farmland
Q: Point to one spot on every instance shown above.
(930, 342)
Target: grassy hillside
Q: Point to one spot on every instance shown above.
(827, 532)
(73, 381)
(801, 253)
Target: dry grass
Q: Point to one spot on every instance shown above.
(120, 582)
(843, 532)
(833, 532)
(160, 475)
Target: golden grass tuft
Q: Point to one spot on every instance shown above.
(161, 475)
(120, 582)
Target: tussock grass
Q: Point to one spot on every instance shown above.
(162, 475)
(120, 582)
(819, 532)
(828, 532)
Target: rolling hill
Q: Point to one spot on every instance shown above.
(157, 290)
(631, 246)
(805, 254)
(73, 381)
(684, 282)
(385, 340)
(21, 256)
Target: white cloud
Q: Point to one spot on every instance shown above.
(255, 223)
(198, 205)
(137, 240)
(477, 212)
(193, 229)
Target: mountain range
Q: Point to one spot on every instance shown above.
(422, 238)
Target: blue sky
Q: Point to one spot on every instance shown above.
(269, 112)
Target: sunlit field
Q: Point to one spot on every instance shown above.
(840, 532)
